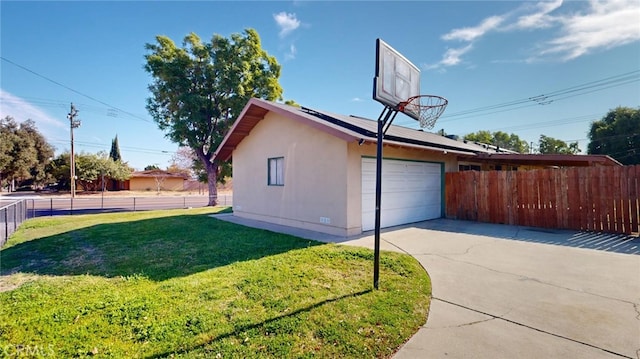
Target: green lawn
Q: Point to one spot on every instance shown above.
(179, 283)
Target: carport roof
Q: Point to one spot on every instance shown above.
(348, 128)
(550, 160)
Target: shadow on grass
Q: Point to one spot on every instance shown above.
(244, 328)
(158, 248)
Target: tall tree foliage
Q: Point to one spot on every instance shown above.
(24, 152)
(500, 139)
(89, 168)
(199, 89)
(550, 145)
(115, 150)
(617, 134)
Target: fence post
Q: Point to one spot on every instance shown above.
(15, 216)
(51, 207)
(71, 208)
(134, 204)
(6, 223)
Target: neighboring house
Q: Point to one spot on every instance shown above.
(316, 170)
(155, 180)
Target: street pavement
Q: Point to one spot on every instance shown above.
(53, 205)
(515, 292)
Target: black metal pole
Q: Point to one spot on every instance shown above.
(376, 248)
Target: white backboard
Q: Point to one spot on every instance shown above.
(396, 78)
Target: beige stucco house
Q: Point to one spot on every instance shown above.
(316, 170)
(155, 180)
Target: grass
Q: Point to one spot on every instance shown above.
(179, 284)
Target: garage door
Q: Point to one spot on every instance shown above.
(411, 192)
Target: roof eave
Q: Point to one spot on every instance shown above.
(226, 147)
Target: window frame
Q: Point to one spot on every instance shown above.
(278, 171)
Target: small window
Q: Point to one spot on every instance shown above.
(276, 171)
(468, 168)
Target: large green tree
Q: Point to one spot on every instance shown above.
(24, 152)
(617, 134)
(500, 139)
(549, 145)
(199, 89)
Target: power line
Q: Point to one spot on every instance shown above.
(42, 103)
(128, 148)
(544, 99)
(551, 123)
(73, 90)
(604, 138)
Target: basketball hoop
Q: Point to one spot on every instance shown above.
(425, 108)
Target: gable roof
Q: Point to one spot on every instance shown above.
(356, 129)
(348, 128)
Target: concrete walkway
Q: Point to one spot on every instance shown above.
(512, 292)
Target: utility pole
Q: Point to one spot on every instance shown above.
(74, 124)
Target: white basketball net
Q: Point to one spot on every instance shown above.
(427, 108)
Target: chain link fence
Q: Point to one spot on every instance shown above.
(13, 214)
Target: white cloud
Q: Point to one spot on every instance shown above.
(356, 99)
(595, 25)
(472, 33)
(541, 18)
(292, 53)
(451, 57)
(286, 22)
(605, 25)
(22, 110)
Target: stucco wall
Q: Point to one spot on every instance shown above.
(315, 176)
(322, 176)
(150, 184)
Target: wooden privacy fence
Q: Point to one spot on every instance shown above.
(601, 199)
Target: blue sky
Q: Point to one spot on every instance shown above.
(528, 68)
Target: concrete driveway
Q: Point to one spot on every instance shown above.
(514, 292)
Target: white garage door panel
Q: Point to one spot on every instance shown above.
(411, 192)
